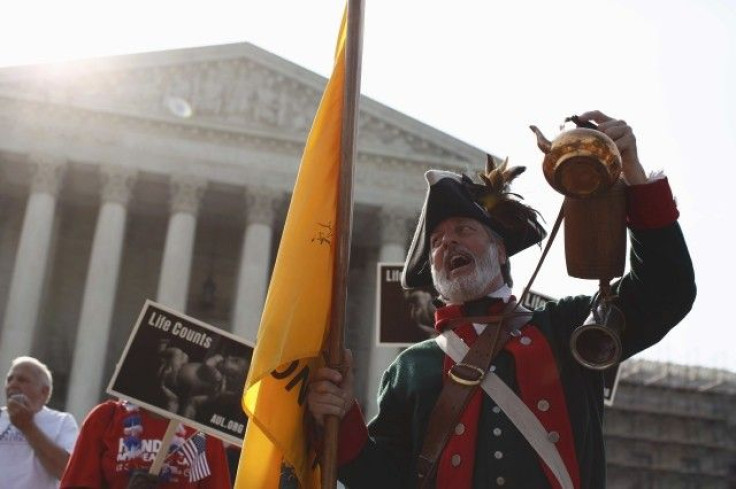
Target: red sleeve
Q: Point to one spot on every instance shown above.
(219, 477)
(353, 435)
(651, 205)
(84, 468)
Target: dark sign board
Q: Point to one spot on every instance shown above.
(535, 300)
(184, 369)
(403, 317)
(407, 317)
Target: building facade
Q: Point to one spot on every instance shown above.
(673, 427)
(167, 176)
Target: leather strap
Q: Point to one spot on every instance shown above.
(555, 228)
(464, 379)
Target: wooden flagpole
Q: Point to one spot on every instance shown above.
(336, 341)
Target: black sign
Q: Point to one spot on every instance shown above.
(184, 369)
(403, 317)
(535, 300)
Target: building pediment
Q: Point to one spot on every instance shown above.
(236, 87)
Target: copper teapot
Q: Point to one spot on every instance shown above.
(585, 165)
(580, 162)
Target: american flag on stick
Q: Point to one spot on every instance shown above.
(194, 451)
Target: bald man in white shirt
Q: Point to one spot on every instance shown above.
(35, 441)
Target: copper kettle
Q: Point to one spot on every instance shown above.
(585, 165)
(580, 162)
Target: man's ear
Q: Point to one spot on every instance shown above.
(45, 390)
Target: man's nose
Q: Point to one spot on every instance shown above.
(448, 240)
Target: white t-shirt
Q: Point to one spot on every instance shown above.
(19, 466)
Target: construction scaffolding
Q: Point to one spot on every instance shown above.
(672, 426)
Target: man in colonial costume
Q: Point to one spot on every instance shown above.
(531, 418)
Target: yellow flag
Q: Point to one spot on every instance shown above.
(296, 314)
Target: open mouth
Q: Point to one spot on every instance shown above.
(17, 396)
(457, 261)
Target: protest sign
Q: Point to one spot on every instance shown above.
(184, 369)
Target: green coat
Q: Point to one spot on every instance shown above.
(655, 295)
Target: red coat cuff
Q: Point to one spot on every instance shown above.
(651, 205)
(353, 435)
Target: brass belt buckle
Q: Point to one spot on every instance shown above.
(464, 374)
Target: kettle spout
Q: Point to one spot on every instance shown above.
(542, 141)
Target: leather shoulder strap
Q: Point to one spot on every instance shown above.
(463, 379)
(519, 414)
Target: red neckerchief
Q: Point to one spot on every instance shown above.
(487, 306)
(530, 359)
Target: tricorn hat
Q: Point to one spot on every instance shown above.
(451, 194)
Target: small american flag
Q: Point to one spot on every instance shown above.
(194, 451)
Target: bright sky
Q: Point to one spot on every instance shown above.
(483, 71)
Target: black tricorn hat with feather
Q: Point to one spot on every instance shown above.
(490, 202)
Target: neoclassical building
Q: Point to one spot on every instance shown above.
(167, 176)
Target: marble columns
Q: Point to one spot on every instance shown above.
(173, 285)
(255, 259)
(31, 260)
(100, 289)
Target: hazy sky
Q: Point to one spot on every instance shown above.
(483, 71)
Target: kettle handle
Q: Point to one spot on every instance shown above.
(581, 123)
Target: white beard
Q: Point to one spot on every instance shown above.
(469, 286)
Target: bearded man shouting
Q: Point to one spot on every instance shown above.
(533, 417)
